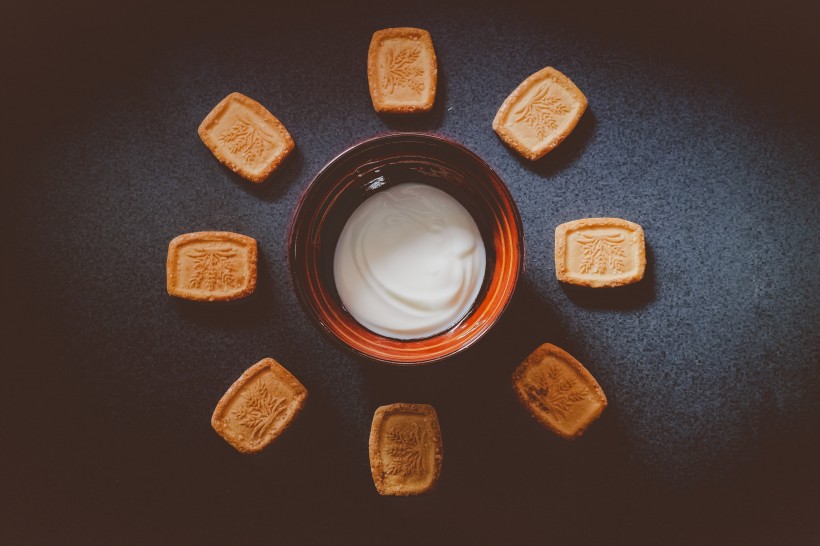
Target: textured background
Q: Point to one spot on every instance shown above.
(702, 127)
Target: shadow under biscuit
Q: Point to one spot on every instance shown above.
(567, 152)
(424, 121)
(631, 296)
(252, 309)
(276, 185)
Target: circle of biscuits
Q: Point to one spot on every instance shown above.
(405, 440)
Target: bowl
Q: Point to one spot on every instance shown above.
(372, 166)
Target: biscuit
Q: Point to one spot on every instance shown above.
(211, 266)
(558, 391)
(405, 449)
(402, 70)
(244, 136)
(540, 113)
(599, 252)
(259, 406)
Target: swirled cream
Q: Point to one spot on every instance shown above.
(409, 262)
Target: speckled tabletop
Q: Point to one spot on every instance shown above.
(702, 127)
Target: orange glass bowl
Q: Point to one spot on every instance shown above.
(372, 166)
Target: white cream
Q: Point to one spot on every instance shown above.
(409, 262)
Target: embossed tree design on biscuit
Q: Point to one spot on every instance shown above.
(542, 112)
(260, 409)
(246, 139)
(602, 254)
(556, 393)
(214, 268)
(407, 451)
(401, 70)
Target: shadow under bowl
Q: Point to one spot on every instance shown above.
(373, 166)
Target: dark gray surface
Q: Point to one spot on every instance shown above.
(699, 129)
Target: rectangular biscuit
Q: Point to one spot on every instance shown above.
(246, 137)
(405, 449)
(558, 391)
(259, 406)
(211, 266)
(600, 252)
(540, 113)
(402, 71)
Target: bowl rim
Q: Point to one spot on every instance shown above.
(332, 163)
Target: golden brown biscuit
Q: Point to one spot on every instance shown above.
(405, 449)
(211, 266)
(244, 136)
(259, 406)
(540, 113)
(402, 71)
(558, 391)
(598, 252)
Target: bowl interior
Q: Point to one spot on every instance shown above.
(376, 165)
